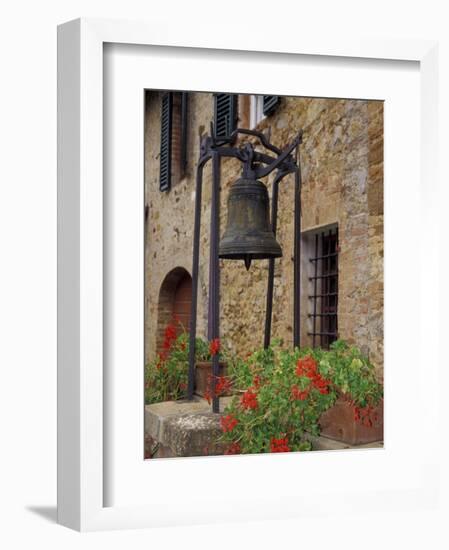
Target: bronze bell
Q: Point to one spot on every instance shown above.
(248, 235)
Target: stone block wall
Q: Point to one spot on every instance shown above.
(342, 169)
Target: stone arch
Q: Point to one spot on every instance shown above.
(175, 298)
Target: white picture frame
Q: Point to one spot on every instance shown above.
(81, 405)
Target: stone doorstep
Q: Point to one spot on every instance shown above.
(184, 427)
(193, 435)
(189, 428)
(322, 443)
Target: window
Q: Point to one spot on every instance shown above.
(225, 114)
(323, 282)
(256, 112)
(173, 155)
(261, 107)
(270, 104)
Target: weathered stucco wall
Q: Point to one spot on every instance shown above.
(342, 168)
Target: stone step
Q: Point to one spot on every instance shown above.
(183, 428)
(322, 443)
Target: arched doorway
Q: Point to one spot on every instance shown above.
(175, 298)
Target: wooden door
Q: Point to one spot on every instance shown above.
(182, 301)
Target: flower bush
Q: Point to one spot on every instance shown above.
(282, 394)
(279, 395)
(166, 377)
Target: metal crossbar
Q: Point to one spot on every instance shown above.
(323, 257)
(326, 276)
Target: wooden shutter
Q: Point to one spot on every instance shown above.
(166, 141)
(184, 123)
(225, 114)
(270, 103)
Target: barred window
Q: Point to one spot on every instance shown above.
(323, 300)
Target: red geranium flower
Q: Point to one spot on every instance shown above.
(307, 366)
(228, 423)
(160, 359)
(169, 337)
(214, 346)
(279, 445)
(222, 386)
(321, 384)
(296, 393)
(208, 396)
(365, 416)
(233, 449)
(249, 399)
(170, 332)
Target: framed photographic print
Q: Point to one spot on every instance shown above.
(236, 271)
(297, 383)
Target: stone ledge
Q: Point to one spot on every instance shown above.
(183, 428)
(193, 434)
(322, 443)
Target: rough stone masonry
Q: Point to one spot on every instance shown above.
(342, 172)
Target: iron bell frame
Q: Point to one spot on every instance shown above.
(256, 165)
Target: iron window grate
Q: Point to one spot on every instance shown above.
(324, 299)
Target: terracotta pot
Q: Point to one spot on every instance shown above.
(203, 376)
(339, 423)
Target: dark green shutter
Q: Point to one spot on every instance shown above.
(166, 141)
(270, 103)
(184, 129)
(225, 114)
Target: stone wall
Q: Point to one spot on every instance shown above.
(342, 169)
